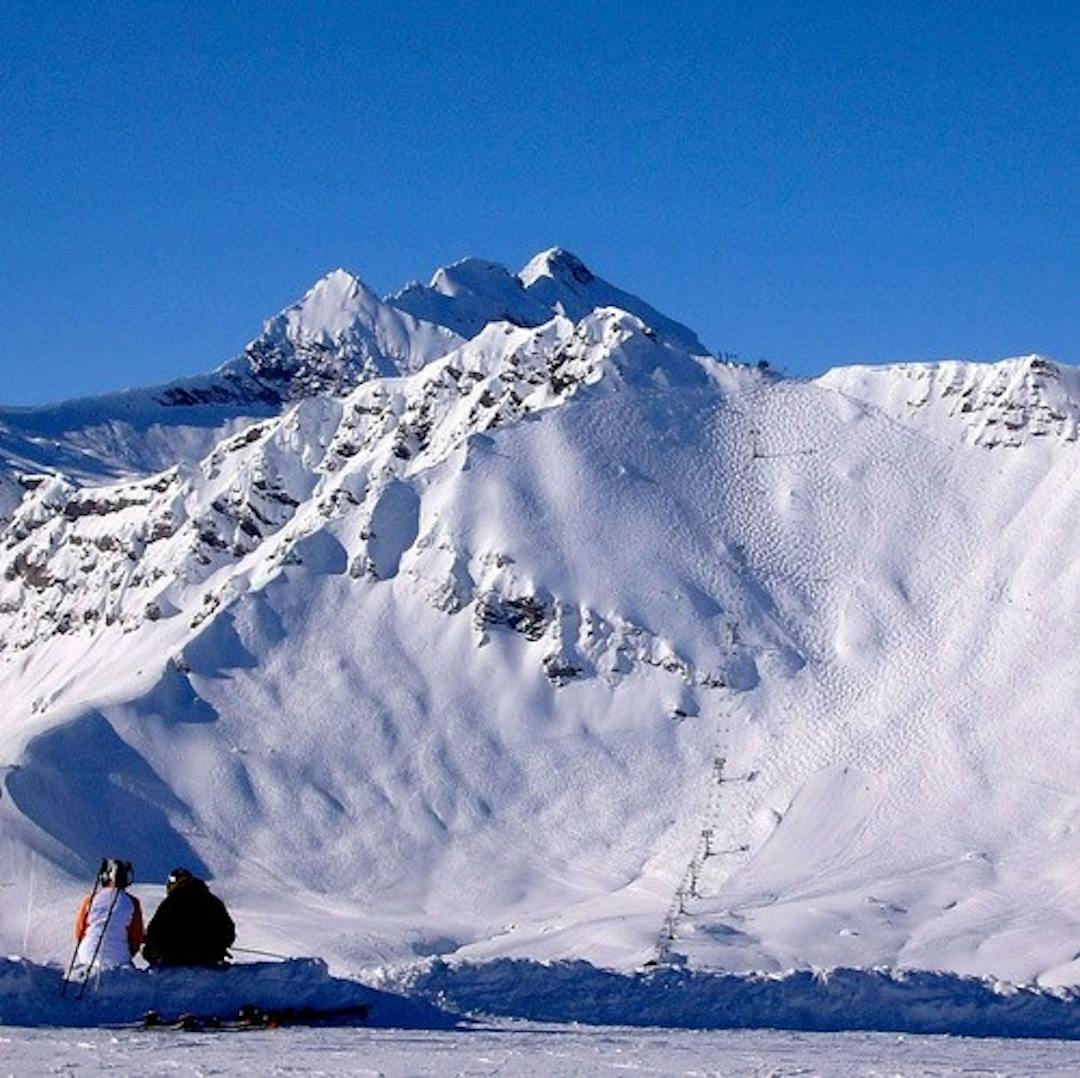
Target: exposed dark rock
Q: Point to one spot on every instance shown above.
(527, 615)
(559, 671)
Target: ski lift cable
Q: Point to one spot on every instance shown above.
(687, 886)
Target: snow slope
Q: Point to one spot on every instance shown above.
(571, 642)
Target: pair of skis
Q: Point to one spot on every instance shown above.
(251, 1017)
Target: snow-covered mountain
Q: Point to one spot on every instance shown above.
(472, 293)
(499, 618)
(336, 336)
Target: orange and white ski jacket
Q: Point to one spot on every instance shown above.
(118, 942)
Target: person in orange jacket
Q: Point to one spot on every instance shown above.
(109, 925)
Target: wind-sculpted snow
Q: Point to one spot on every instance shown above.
(819, 1000)
(30, 995)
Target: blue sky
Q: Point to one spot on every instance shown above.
(812, 183)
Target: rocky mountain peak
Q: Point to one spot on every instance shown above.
(559, 264)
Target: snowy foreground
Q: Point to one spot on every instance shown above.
(437, 997)
(42, 1033)
(522, 1049)
(30, 995)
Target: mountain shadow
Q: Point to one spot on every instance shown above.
(91, 791)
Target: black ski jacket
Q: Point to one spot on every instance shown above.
(190, 928)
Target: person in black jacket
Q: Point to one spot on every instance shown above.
(191, 927)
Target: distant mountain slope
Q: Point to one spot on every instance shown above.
(989, 405)
(570, 642)
(472, 293)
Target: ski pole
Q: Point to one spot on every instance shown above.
(75, 953)
(101, 940)
(29, 907)
(265, 954)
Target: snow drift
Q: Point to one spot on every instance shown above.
(30, 995)
(818, 1000)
